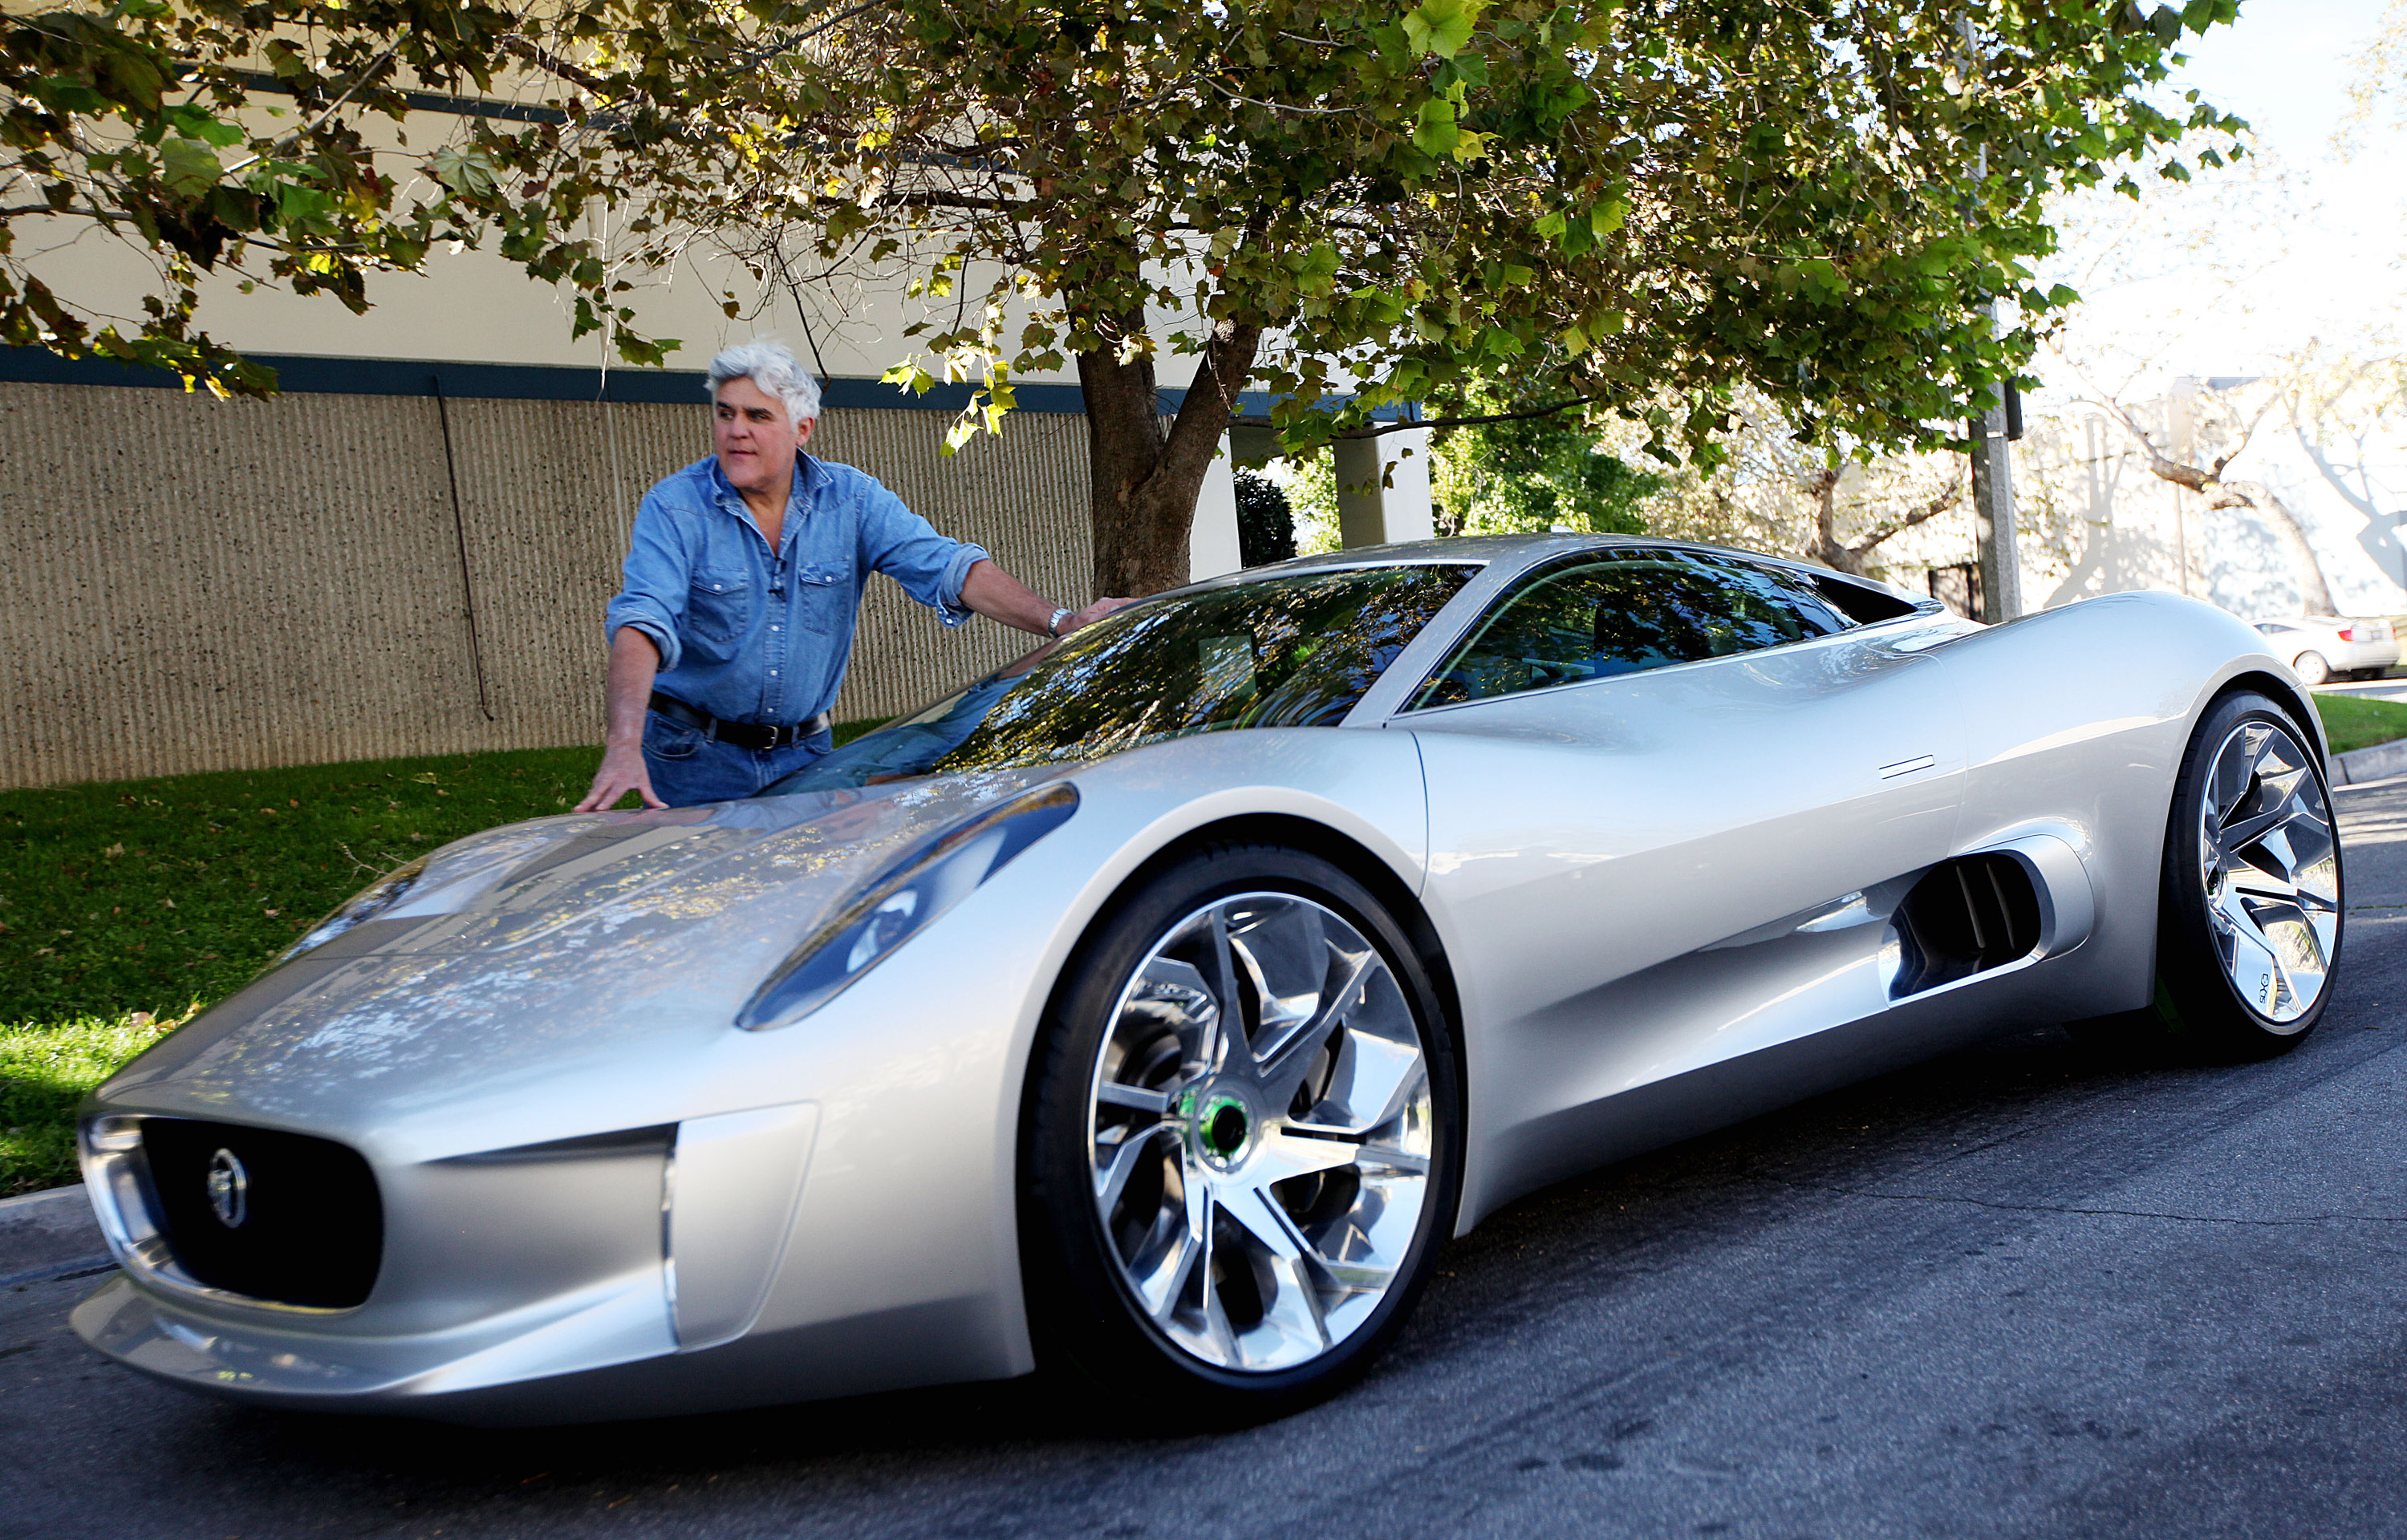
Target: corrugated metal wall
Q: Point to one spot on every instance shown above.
(191, 584)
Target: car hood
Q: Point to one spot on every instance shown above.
(539, 953)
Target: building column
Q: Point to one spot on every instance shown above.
(1372, 514)
(1212, 546)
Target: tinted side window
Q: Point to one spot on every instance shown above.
(1628, 613)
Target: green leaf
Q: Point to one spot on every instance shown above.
(1440, 26)
(197, 121)
(70, 97)
(296, 204)
(189, 167)
(1437, 133)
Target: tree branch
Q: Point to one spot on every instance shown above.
(1923, 514)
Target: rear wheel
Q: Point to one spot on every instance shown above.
(1244, 1144)
(2249, 923)
(2312, 669)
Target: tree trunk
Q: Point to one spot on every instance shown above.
(1827, 547)
(1145, 478)
(2315, 593)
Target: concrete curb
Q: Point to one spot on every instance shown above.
(2377, 763)
(46, 1234)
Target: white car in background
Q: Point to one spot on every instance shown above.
(2322, 647)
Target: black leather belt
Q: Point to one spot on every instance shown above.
(744, 735)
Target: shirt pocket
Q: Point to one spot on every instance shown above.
(823, 590)
(719, 611)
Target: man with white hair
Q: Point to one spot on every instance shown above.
(743, 584)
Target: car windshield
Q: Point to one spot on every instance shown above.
(1293, 651)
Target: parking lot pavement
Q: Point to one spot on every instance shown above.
(2030, 1289)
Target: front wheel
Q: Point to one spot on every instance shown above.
(1244, 1144)
(2249, 926)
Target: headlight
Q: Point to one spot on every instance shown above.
(923, 884)
(362, 907)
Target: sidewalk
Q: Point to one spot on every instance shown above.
(49, 1235)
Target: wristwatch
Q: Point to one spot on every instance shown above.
(1053, 626)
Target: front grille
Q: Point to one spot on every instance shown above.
(280, 1217)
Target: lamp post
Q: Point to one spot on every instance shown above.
(1993, 428)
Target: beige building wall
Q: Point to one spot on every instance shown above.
(198, 584)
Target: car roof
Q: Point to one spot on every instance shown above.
(1512, 552)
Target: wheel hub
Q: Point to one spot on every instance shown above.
(1223, 1128)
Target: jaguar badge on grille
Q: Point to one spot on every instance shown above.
(229, 1189)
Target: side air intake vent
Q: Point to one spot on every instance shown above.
(280, 1217)
(1963, 917)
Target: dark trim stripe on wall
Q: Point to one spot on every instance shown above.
(303, 374)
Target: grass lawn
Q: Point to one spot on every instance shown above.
(127, 905)
(2353, 722)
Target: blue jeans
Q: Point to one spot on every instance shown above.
(687, 767)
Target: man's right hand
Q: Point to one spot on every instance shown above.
(633, 662)
(622, 771)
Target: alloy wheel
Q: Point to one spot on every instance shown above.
(2268, 862)
(1259, 1132)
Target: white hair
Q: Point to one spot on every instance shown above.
(771, 365)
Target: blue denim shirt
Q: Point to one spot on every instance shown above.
(754, 635)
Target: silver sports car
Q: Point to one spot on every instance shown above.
(1156, 1008)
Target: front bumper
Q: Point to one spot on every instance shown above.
(603, 1277)
(634, 1371)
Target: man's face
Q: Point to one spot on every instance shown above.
(755, 440)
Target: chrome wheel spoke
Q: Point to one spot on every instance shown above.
(1113, 1170)
(1160, 1288)
(1136, 1098)
(1283, 1156)
(1291, 1320)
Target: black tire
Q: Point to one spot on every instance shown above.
(1083, 1298)
(2248, 1009)
(2312, 669)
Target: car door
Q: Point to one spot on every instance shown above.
(1672, 795)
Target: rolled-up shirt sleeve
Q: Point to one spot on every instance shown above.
(905, 547)
(657, 578)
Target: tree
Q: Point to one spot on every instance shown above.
(2195, 452)
(241, 139)
(1840, 505)
(1266, 523)
(1638, 207)
(1534, 474)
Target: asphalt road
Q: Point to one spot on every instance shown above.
(2036, 1288)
